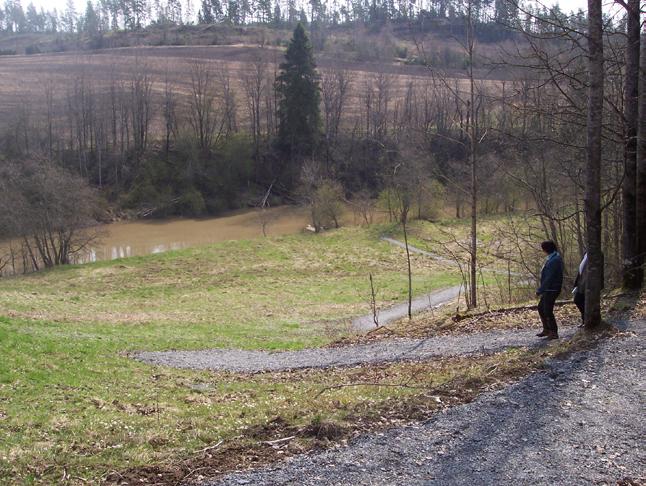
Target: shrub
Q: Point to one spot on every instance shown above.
(401, 52)
(191, 203)
(50, 210)
(327, 205)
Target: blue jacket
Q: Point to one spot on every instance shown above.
(552, 274)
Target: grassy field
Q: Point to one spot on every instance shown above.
(452, 237)
(505, 274)
(279, 293)
(73, 405)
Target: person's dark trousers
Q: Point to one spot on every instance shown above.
(546, 311)
(579, 301)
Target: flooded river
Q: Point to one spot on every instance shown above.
(143, 237)
(135, 238)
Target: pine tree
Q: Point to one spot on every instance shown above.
(205, 15)
(69, 18)
(233, 12)
(278, 16)
(298, 90)
(91, 20)
(32, 19)
(216, 10)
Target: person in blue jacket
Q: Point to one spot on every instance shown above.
(549, 290)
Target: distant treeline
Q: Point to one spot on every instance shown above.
(496, 19)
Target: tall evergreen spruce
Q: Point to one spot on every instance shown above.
(298, 109)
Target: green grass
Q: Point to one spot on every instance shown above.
(452, 238)
(280, 293)
(69, 402)
(72, 402)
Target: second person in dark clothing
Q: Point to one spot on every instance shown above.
(549, 290)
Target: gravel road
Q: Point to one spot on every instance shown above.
(418, 304)
(414, 249)
(382, 351)
(579, 422)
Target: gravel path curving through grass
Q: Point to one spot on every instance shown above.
(418, 304)
(419, 251)
(244, 361)
(403, 349)
(579, 422)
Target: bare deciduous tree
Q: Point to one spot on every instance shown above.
(170, 113)
(49, 210)
(255, 82)
(335, 89)
(203, 116)
(140, 87)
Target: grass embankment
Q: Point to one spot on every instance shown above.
(74, 407)
(450, 238)
(509, 256)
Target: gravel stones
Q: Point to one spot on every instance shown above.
(580, 422)
(242, 361)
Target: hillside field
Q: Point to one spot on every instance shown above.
(24, 77)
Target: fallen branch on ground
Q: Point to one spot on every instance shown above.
(345, 385)
(279, 441)
(506, 310)
(211, 447)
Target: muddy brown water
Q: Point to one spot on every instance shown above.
(145, 237)
(136, 238)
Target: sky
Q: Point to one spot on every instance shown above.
(566, 5)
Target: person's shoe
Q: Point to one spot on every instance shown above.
(542, 334)
(552, 335)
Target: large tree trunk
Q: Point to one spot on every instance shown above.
(641, 158)
(631, 274)
(593, 166)
(473, 143)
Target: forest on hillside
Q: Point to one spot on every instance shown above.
(495, 18)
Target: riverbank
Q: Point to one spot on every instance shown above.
(140, 237)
